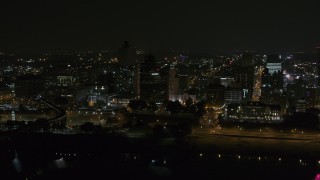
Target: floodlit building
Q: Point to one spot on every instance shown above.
(274, 64)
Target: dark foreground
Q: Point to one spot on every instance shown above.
(47, 156)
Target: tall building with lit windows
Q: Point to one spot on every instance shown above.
(128, 76)
(318, 83)
(246, 60)
(153, 80)
(233, 95)
(244, 76)
(29, 86)
(173, 83)
(274, 64)
(318, 49)
(127, 54)
(256, 95)
(215, 95)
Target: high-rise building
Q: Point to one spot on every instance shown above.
(29, 86)
(232, 95)
(256, 95)
(173, 83)
(121, 79)
(127, 55)
(274, 64)
(227, 81)
(244, 76)
(295, 91)
(318, 49)
(272, 81)
(244, 80)
(128, 75)
(311, 97)
(246, 60)
(215, 95)
(153, 81)
(272, 84)
(301, 105)
(178, 86)
(65, 81)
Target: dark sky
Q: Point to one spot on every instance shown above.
(158, 25)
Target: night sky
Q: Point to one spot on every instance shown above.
(193, 26)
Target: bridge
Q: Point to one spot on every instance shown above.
(60, 120)
(45, 124)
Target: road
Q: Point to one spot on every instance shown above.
(259, 133)
(268, 143)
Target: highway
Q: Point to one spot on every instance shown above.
(58, 121)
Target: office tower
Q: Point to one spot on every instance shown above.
(246, 60)
(233, 95)
(272, 81)
(215, 95)
(153, 80)
(256, 95)
(227, 81)
(127, 55)
(311, 97)
(29, 86)
(128, 75)
(274, 64)
(244, 76)
(173, 84)
(318, 51)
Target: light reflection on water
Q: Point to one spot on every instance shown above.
(163, 165)
(60, 163)
(17, 163)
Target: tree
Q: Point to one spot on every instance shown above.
(22, 108)
(152, 106)
(302, 119)
(158, 130)
(87, 127)
(174, 107)
(189, 102)
(61, 101)
(137, 105)
(42, 123)
(200, 109)
(185, 128)
(107, 80)
(180, 129)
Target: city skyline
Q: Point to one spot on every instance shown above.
(159, 90)
(156, 26)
